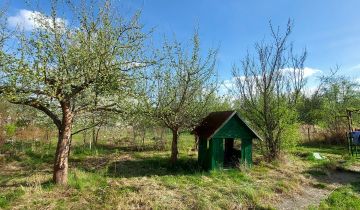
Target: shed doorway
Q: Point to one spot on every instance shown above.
(232, 152)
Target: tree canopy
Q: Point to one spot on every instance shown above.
(57, 68)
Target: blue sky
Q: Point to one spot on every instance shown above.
(329, 29)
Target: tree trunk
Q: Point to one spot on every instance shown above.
(143, 136)
(134, 136)
(60, 175)
(84, 137)
(47, 135)
(93, 138)
(97, 136)
(174, 146)
(272, 149)
(196, 145)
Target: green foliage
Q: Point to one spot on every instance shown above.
(338, 94)
(82, 180)
(327, 106)
(219, 103)
(291, 136)
(10, 130)
(310, 109)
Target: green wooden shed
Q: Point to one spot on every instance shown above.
(217, 134)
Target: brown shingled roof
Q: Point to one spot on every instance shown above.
(216, 120)
(212, 122)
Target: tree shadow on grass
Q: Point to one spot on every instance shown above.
(36, 158)
(8, 181)
(107, 149)
(159, 166)
(325, 148)
(138, 148)
(335, 175)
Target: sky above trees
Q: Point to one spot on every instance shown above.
(328, 29)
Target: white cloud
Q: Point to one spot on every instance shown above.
(230, 84)
(310, 90)
(29, 20)
(134, 65)
(308, 72)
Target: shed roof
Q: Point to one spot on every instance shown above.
(215, 121)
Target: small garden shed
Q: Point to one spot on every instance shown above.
(216, 136)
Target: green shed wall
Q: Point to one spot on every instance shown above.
(246, 151)
(215, 153)
(234, 128)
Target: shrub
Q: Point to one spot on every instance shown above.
(291, 136)
(10, 130)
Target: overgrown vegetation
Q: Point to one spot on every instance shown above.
(125, 177)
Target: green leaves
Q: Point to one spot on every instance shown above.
(74, 62)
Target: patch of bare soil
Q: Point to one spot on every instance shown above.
(354, 167)
(310, 195)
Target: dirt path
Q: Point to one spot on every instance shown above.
(312, 196)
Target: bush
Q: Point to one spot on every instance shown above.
(291, 136)
(10, 130)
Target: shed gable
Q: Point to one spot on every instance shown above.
(234, 128)
(225, 124)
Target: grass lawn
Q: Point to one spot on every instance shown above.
(121, 176)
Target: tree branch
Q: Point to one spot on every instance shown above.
(87, 128)
(36, 104)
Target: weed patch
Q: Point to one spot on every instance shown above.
(347, 197)
(82, 180)
(7, 198)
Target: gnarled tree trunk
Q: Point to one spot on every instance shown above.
(60, 175)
